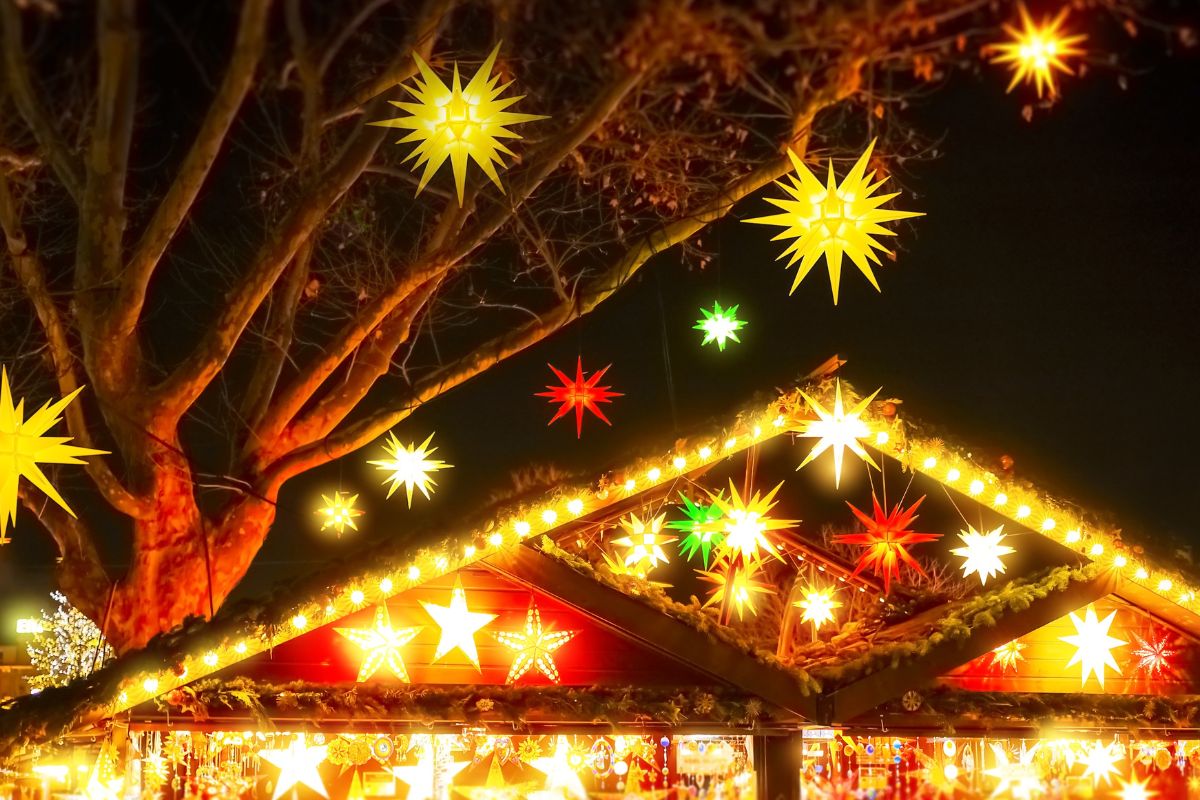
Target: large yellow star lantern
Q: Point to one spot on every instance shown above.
(838, 430)
(409, 466)
(1093, 645)
(23, 446)
(833, 220)
(534, 646)
(458, 624)
(297, 764)
(1035, 52)
(458, 122)
(744, 523)
(382, 644)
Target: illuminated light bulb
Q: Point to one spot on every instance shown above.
(385, 585)
(496, 539)
(881, 438)
(951, 772)
(1023, 511)
(442, 563)
(575, 507)
(299, 622)
(357, 597)
(779, 421)
(757, 431)
(1164, 585)
(929, 463)
(1141, 574)
(630, 485)
(329, 609)
(654, 474)
(522, 528)
(1097, 549)
(976, 487)
(1000, 499)
(150, 685)
(414, 573)
(1048, 524)
(549, 516)
(1185, 597)
(706, 452)
(239, 648)
(679, 462)
(730, 442)
(1073, 536)
(952, 475)
(469, 551)
(1120, 561)
(210, 659)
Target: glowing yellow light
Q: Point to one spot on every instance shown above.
(1006, 656)
(339, 512)
(630, 485)
(410, 466)
(1093, 645)
(1097, 549)
(104, 782)
(881, 438)
(1100, 760)
(414, 573)
(1023, 512)
(562, 780)
(299, 622)
(1141, 574)
(150, 685)
(549, 516)
(730, 442)
(644, 541)
(818, 606)
(381, 644)
(496, 539)
(838, 430)
(469, 551)
(705, 453)
(654, 474)
(297, 764)
(240, 648)
(757, 432)
(386, 585)
(522, 528)
(458, 625)
(679, 462)
(744, 523)
(1048, 524)
(1035, 52)
(458, 122)
(832, 220)
(575, 507)
(929, 463)
(23, 446)
(1120, 561)
(741, 589)
(210, 659)
(976, 487)
(981, 553)
(1164, 585)
(534, 646)
(1134, 789)
(1073, 536)
(952, 475)
(357, 597)
(420, 777)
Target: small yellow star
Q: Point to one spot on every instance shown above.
(409, 466)
(339, 512)
(818, 606)
(1037, 51)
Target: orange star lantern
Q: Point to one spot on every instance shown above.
(887, 538)
(581, 394)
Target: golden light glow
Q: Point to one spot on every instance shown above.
(1018, 779)
(381, 644)
(534, 646)
(339, 512)
(839, 430)
(24, 445)
(744, 523)
(419, 777)
(297, 764)
(742, 589)
(457, 122)
(104, 781)
(818, 606)
(458, 625)
(410, 466)
(1100, 760)
(1134, 789)
(562, 780)
(833, 220)
(1093, 645)
(644, 542)
(1007, 655)
(981, 553)
(1035, 52)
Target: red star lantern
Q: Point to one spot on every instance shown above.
(887, 538)
(579, 394)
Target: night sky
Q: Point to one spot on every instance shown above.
(1045, 308)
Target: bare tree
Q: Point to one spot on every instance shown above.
(253, 284)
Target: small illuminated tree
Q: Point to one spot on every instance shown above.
(68, 646)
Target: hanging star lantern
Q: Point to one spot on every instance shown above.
(1093, 645)
(458, 625)
(741, 587)
(744, 524)
(382, 644)
(409, 466)
(719, 325)
(818, 606)
(887, 538)
(981, 553)
(699, 527)
(561, 777)
(644, 542)
(837, 430)
(833, 220)
(104, 781)
(1133, 789)
(1100, 761)
(1007, 655)
(1020, 779)
(23, 446)
(339, 512)
(534, 646)
(419, 777)
(297, 764)
(1154, 655)
(579, 395)
(1036, 52)
(458, 122)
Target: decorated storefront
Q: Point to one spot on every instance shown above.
(820, 596)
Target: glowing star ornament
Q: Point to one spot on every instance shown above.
(458, 123)
(818, 606)
(719, 325)
(339, 512)
(1006, 656)
(579, 395)
(741, 588)
(458, 625)
(409, 466)
(887, 538)
(381, 643)
(833, 220)
(1036, 52)
(534, 646)
(837, 430)
(420, 777)
(1134, 789)
(744, 523)
(24, 445)
(981, 553)
(1093, 645)
(561, 778)
(1154, 655)
(644, 542)
(104, 781)
(1020, 779)
(297, 764)
(701, 537)
(1100, 761)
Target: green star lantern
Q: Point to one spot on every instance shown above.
(720, 325)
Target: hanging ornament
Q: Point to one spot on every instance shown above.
(1093, 645)
(719, 325)
(458, 624)
(887, 538)
(1154, 655)
(818, 606)
(297, 764)
(339, 512)
(644, 541)
(741, 587)
(1133, 789)
(579, 395)
(457, 122)
(105, 781)
(1020, 779)
(419, 777)
(1006, 656)
(1100, 760)
(839, 430)
(23, 446)
(534, 646)
(699, 527)
(382, 644)
(1036, 52)
(833, 220)
(940, 779)
(410, 466)
(981, 553)
(743, 525)
(561, 777)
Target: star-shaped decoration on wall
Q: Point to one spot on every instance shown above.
(643, 542)
(339, 512)
(561, 777)
(744, 524)
(833, 220)
(1154, 655)
(419, 777)
(297, 764)
(886, 540)
(382, 644)
(719, 325)
(458, 122)
(24, 445)
(981, 553)
(1100, 761)
(579, 395)
(1035, 52)
(838, 430)
(818, 606)
(701, 534)
(458, 624)
(410, 466)
(1006, 656)
(1093, 645)
(534, 646)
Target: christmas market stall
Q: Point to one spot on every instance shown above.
(821, 595)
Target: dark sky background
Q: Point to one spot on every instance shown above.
(1045, 307)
